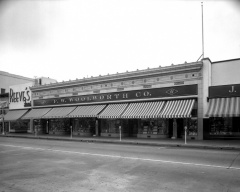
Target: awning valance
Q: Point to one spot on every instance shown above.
(36, 113)
(224, 107)
(58, 112)
(87, 111)
(113, 111)
(178, 109)
(14, 115)
(143, 110)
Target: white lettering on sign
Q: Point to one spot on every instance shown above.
(232, 90)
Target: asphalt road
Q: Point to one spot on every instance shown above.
(47, 165)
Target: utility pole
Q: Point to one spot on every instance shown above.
(202, 33)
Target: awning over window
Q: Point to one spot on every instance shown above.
(36, 113)
(14, 115)
(58, 112)
(143, 110)
(87, 111)
(224, 107)
(113, 111)
(178, 109)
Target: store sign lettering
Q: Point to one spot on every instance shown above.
(224, 91)
(120, 96)
(19, 96)
(232, 90)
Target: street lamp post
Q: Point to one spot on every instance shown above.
(2, 105)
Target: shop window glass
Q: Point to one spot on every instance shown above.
(154, 126)
(112, 125)
(60, 125)
(84, 125)
(20, 126)
(192, 127)
(223, 126)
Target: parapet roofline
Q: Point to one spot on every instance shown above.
(125, 75)
(15, 76)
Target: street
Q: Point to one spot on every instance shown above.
(48, 165)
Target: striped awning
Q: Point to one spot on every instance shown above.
(58, 112)
(224, 107)
(178, 109)
(14, 115)
(87, 111)
(143, 110)
(113, 111)
(36, 113)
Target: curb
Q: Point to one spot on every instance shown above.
(128, 142)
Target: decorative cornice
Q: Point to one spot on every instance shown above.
(173, 69)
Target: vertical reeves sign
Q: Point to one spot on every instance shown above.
(20, 96)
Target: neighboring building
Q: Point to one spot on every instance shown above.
(224, 100)
(8, 79)
(17, 95)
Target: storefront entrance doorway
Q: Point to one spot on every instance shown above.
(175, 128)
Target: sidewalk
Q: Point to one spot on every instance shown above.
(205, 144)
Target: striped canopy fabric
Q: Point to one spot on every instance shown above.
(178, 109)
(58, 112)
(36, 113)
(143, 110)
(113, 111)
(224, 107)
(14, 115)
(87, 111)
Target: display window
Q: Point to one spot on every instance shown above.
(59, 125)
(84, 125)
(153, 126)
(112, 125)
(192, 126)
(20, 126)
(224, 126)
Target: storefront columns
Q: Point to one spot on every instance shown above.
(31, 126)
(96, 128)
(174, 129)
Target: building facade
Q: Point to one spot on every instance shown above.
(18, 101)
(151, 103)
(224, 100)
(203, 97)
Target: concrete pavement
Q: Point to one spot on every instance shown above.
(204, 144)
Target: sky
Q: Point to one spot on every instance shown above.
(70, 39)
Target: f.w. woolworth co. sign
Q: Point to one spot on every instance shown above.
(135, 95)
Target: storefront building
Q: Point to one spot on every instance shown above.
(19, 104)
(151, 103)
(223, 113)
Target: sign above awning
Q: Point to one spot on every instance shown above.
(178, 109)
(143, 110)
(113, 111)
(14, 115)
(224, 107)
(122, 96)
(58, 112)
(36, 113)
(87, 111)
